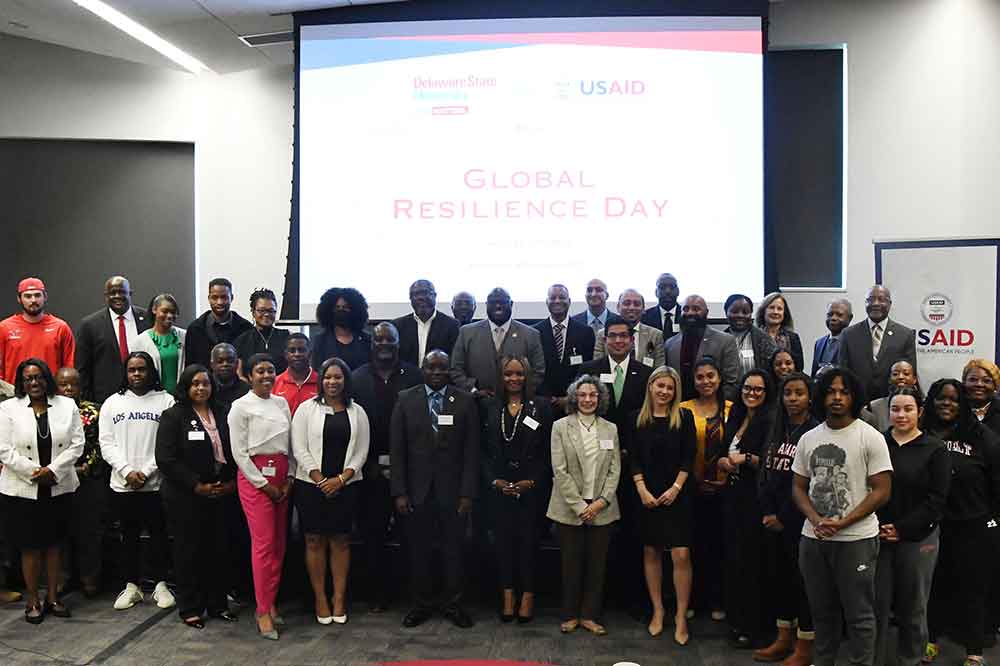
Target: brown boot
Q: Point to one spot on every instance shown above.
(803, 653)
(779, 649)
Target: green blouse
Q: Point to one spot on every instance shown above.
(169, 346)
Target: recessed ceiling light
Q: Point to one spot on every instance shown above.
(144, 35)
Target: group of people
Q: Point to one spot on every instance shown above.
(787, 499)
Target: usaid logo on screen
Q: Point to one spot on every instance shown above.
(600, 88)
(937, 310)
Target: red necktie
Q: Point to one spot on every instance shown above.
(122, 338)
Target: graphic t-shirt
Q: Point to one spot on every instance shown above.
(838, 464)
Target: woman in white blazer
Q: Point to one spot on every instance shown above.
(164, 341)
(330, 436)
(586, 466)
(41, 436)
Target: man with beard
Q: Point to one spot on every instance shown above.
(223, 366)
(463, 307)
(696, 341)
(33, 333)
(870, 347)
(480, 346)
(827, 348)
(102, 340)
(426, 329)
(376, 387)
(667, 311)
(219, 324)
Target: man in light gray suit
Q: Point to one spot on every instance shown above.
(648, 345)
(695, 341)
(475, 360)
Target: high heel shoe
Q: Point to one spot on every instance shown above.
(508, 599)
(271, 635)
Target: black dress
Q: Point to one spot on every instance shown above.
(659, 453)
(44, 522)
(318, 514)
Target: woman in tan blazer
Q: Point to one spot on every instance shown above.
(586, 465)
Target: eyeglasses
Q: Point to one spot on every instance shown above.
(618, 336)
(265, 312)
(31, 379)
(754, 390)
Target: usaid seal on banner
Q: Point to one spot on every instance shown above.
(936, 309)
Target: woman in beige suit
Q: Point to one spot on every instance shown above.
(586, 465)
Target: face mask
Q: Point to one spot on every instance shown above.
(342, 318)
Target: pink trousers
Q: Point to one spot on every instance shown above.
(268, 529)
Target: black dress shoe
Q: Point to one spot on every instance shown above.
(194, 623)
(525, 619)
(458, 616)
(741, 641)
(417, 616)
(224, 615)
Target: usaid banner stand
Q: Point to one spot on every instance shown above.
(948, 290)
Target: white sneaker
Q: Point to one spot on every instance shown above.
(162, 596)
(129, 597)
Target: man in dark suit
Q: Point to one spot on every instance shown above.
(667, 312)
(434, 439)
(597, 313)
(218, 324)
(377, 385)
(475, 360)
(826, 350)
(870, 347)
(103, 340)
(697, 340)
(573, 347)
(625, 379)
(426, 329)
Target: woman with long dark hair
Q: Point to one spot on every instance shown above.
(740, 455)
(782, 522)
(961, 581)
(342, 313)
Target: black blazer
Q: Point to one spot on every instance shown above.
(535, 461)
(185, 462)
(448, 458)
(443, 333)
(98, 359)
(199, 340)
(633, 392)
(558, 372)
(678, 446)
(898, 344)
(651, 317)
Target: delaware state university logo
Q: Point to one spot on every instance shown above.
(936, 309)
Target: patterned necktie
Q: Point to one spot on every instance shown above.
(498, 338)
(876, 340)
(437, 400)
(619, 383)
(596, 324)
(557, 332)
(122, 338)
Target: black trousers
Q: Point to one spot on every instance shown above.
(200, 550)
(516, 538)
(136, 511)
(708, 551)
(90, 517)
(961, 582)
(239, 575)
(784, 580)
(374, 520)
(744, 559)
(435, 515)
(584, 553)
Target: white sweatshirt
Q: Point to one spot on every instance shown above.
(127, 427)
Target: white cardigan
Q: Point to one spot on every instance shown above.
(143, 342)
(19, 446)
(307, 438)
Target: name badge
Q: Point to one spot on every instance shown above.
(576, 360)
(531, 423)
(269, 470)
(383, 460)
(746, 353)
(649, 360)
(607, 378)
(446, 419)
(607, 445)
(196, 435)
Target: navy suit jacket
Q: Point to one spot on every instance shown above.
(559, 372)
(820, 347)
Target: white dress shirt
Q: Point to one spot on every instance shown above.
(258, 427)
(130, 330)
(423, 331)
(623, 364)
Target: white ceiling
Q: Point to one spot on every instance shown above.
(207, 29)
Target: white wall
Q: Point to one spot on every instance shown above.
(241, 125)
(923, 141)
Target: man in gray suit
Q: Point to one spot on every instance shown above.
(647, 347)
(870, 347)
(695, 341)
(475, 360)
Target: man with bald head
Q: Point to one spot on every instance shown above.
(103, 340)
(475, 361)
(667, 312)
(223, 366)
(426, 328)
(597, 315)
(870, 347)
(463, 307)
(566, 343)
(647, 346)
(697, 340)
(827, 348)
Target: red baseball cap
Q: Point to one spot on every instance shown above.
(30, 284)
